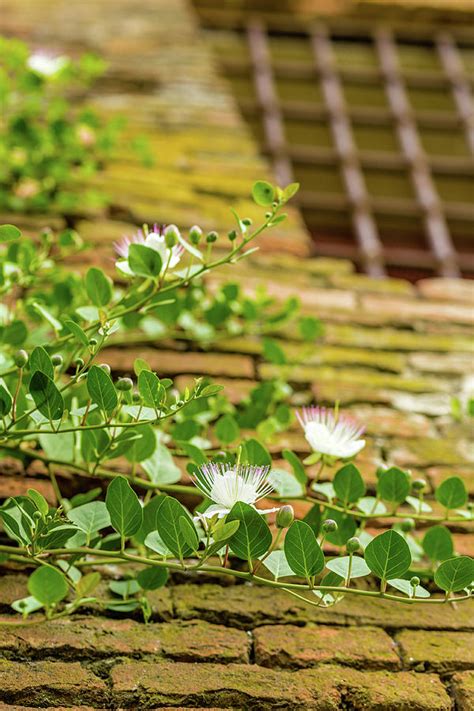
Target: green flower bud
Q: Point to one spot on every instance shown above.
(285, 516)
(415, 581)
(195, 234)
(136, 397)
(37, 515)
(407, 525)
(79, 362)
(57, 359)
(247, 222)
(106, 367)
(353, 545)
(124, 384)
(92, 341)
(170, 239)
(21, 359)
(329, 526)
(232, 235)
(211, 237)
(419, 485)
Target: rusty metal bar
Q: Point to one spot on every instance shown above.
(436, 227)
(268, 101)
(364, 224)
(454, 70)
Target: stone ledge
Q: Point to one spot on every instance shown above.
(437, 651)
(462, 689)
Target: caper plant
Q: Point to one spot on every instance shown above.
(59, 404)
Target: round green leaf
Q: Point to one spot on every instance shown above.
(302, 550)
(455, 574)
(263, 193)
(451, 493)
(227, 429)
(152, 578)
(91, 517)
(438, 543)
(40, 360)
(6, 400)
(253, 452)
(126, 513)
(8, 233)
(46, 396)
(348, 484)
(388, 555)
(47, 585)
(101, 389)
(393, 485)
(252, 538)
(150, 389)
(99, 287)
(167, 522)
(341, 566)
(144, 261)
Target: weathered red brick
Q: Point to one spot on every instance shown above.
(295, 647)
(462, 688)
(437, 651)
(405, 311)
(447, 289)
(49, 683)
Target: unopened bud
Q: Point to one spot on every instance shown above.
(419, 485)
(353, 545)
(211, 237)
(92, 341)
(415, 581)
(285, 516)
(57, 359)
(247, 221)
(195, 234)
(106, 367)
(79, 362)
(136, 397)
(407, 525)
(172, 235)
(124, 384)
(21, 359)
(329, 526)
(232, 235)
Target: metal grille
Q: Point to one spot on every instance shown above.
(376, 123)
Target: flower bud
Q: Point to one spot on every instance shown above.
(211, 237)
(329, 526)
(353, 545)
(170, 239)
(136, 397)
(232, 235)
(407, 525)
(285, 516)
(57, 359)
(415, 581)
(195, 234)
(124, 384)
(21, 358)
(79, 362)
(92, 341)
(419, 485)
(247, 221)
(172, 234)
(106, 367)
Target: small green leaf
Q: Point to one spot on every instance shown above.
(290, 191)
(273, 352)
(341, 566)
(227, 429)
(91, 517)
(253, 538)
(101, 389)
(393, 485)
(150, 389)
(152, 578)
(47, 315)
(87, 584)
(253, 452)
(46, 396)
(189, 532)
(405, 587)
(263, 193)
(310, 328)
(40, 360)
(169, 529)
(348, 484)
(77, 331)
(298, 469)
(125, 511)
(8, 233)
(302, 550)
(451, 493)
(438, 543)
(6, 400)
(388, 555)
(455, 574)
(47, 585)
(39, 501)
(211, 390)
(278, 566)
(144, 261)
(160, 467)
(99, 287)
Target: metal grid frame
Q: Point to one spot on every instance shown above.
(435, 251)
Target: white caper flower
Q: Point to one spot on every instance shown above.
(46, 64)
(331, 434)
(156, 240)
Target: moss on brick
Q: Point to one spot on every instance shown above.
(437, 651)
(462, 689)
